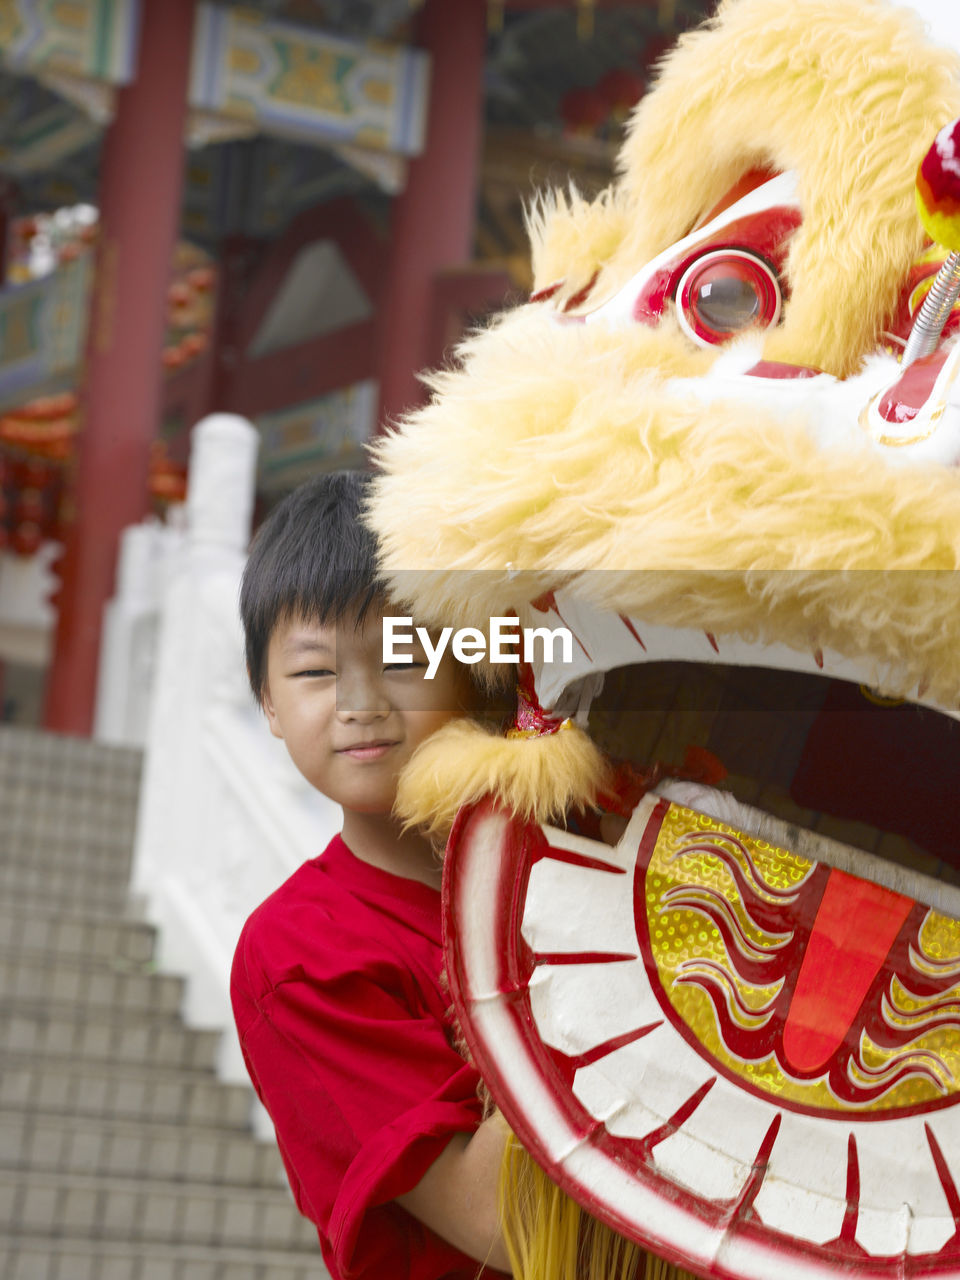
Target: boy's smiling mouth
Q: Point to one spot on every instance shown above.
(367, 750)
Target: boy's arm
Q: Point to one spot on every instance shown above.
(457, 1196)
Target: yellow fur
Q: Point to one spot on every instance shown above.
(555, 453)
(573, 237)
(538, 779)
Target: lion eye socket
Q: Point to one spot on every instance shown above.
(725, 292)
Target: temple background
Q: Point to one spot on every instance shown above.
(281, 210)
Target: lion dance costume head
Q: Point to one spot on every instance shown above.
(716, 454)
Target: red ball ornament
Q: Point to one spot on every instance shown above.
(193, 344)
(938, 188)
(584, 110)
(621, 89)
(180, 294)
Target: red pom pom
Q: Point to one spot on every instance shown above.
(938, 187)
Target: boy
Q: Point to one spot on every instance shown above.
(336, 986)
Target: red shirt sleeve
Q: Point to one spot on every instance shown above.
(356, 1068)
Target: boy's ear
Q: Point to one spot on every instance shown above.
(271, 714)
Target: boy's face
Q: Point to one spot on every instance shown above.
(349, 722)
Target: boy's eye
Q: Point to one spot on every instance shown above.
(311, 672)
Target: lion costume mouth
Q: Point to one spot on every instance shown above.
(655, 1023)
(729, 1038)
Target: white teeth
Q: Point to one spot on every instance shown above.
(580, 1006)
(581, 910)
(691, 1156)
(603, 640)
(891, 1158)
(804, 1191)
(663, 1075)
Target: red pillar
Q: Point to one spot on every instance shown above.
(140, 194)
(432, 222)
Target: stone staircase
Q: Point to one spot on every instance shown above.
(122, 1156)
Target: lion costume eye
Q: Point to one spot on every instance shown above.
(725, 292)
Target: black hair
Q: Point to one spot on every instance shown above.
(312, 558)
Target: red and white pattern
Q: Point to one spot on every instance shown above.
(571, 1022)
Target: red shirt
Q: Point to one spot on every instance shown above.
(346, 1033)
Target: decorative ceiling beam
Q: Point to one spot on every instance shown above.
(250, 74)
(42, 327)
(96, 40)
(326, 432)
(296, 81)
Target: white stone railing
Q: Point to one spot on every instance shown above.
(150, 553)
(224, 816)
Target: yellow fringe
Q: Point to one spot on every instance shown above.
(537, 779)
(549, 1236)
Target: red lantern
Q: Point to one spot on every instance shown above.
(179, 295)
(621, 89)
(192, 344)
(201, 278)
(26, 538)
(42, 408)
(173, 357)
(583, 110)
